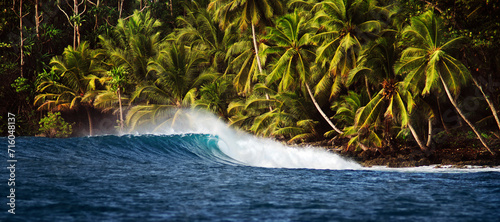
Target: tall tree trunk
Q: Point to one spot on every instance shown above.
(256, 47)
(321, 111)
(21, 45)
(90, 120)
(419, 142)
(429, 133)
(463, 116)
(171, 8)
(120, 8)
(259, 65)
(121, 111)
(76, 24)
(490, 104)
(441, 116)
(37, 21)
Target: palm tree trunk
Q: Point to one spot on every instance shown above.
(419, 142)
(441, 116)
(429, 134)
(256, 47)
(171, 8)
(490, 104)
(120, 8)
(463, 116)
(21, 45)
(368, 88)
(321, 111)
(37, 20)
(75, 25)
(90, 120)
(121, 111)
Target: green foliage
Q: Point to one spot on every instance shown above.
(373, 63)
(53, 125)
(215, 97)
(21, 84)
(344, 26)
(118, 77)
(290, 41)
(78, 77)
(246, 12)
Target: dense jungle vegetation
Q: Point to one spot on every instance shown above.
(373, 73)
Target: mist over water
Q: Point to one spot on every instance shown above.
(247, 149)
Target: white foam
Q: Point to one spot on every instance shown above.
(250, 150)
(263, 152)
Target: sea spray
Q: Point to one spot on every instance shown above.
(247, 149)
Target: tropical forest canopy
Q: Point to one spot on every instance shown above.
(371, 72)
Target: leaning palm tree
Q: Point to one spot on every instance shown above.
(291, 41)
(428, 65)
(79, 77)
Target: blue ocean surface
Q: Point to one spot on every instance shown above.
(208, 177)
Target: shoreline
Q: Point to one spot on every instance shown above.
(411, 156)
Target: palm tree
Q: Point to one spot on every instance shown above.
(78, 70)
(112, 97)
(291, 41)
(245, 13)
(215, 96)
(133, 43)
(178, 75)
(395, 104)
(427, 65)
(287, 120)
(242, 66)
(200, 31)
(376, 65)
(344, 26)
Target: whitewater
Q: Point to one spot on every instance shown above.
(195, 168)
(247, 149)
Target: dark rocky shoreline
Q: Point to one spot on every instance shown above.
(455, 150)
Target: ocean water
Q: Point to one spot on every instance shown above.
(212, 173)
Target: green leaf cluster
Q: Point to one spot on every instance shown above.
(54, 126)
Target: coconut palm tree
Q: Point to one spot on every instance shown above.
(79, 76)
(246, 13)
(242, 66)
(428, 65)
(113, 97)
(133, 43)
(200, 31)
(290, 40)
(393, 103)
(287, 120)
(178, 75)
(215, 96)
(376, 65)
(344, 27)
